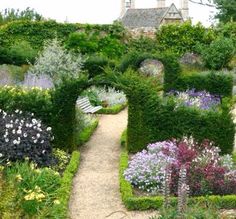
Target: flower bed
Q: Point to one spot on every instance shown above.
(29, 191)
(200, 99)
(134, 202)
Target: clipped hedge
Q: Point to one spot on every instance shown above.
(113, 109)
(218, 83)
(63, 193)
(171, 64)
(85, 134)
(133, 202)
(36, 32)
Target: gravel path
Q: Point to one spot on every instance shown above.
(95, 192)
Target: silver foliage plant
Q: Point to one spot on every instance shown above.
(57, 62)
(109, 95)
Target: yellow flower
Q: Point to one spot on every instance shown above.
(19, 178)
(56, 202)
(1, 168)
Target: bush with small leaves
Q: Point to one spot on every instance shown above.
(24, 137)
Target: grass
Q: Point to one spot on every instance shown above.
(113, 109)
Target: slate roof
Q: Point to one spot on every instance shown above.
(148, 17)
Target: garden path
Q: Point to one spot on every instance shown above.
(96, 192)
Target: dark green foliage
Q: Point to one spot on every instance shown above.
(219, 83)
(95, 65)
(183, 37)
(64, 100)
(18, 54)
(142, 44)
(82, 42)
(226, 10)
(111, 47)
(133, 202)
(165, 121)
(113, 109)
(172, 68)
(85, 134)
(218, 54)
(36, 32)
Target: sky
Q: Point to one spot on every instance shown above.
(96, 11)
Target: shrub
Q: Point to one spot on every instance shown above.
(218, 54)
(217, 83)
(18, 54)
(82, 42)
(57, 63)
(183, 37)
(142, 44)
(24, 137)
(95, 65)
(111, 47)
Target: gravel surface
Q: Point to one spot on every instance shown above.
(96, 192)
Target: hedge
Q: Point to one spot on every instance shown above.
(85, 134)
(63, 193)
(133, 202)
(36, 32)
(113, 109)
(219, 83)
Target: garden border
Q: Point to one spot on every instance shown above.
(113, 109)
(64, 191)
(133, 202)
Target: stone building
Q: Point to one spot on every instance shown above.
(147, 20)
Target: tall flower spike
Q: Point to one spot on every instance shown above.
(183, 191)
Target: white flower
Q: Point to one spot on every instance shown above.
(49, 129)
(19, 132)
(1, 155)
(25, 135)
(15, 142)
(35, 141)
(7, 140)
(38, 135)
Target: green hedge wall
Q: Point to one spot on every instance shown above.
(36, 32)
(214, 82)
(133, 202)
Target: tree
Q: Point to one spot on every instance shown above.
(11, 14)
(227, 10)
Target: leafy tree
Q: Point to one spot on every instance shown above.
(11, 14)
(227, 10)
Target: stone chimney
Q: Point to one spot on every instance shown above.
(184, 9)
(161, 3)
(125, 5)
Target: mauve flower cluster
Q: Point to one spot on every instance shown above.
(200, 99)
(207, 171)
(146, 169)
(23, 136)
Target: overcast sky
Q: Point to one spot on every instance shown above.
(96, 11)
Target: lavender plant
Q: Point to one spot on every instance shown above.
(24, 137)
(201, 99)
